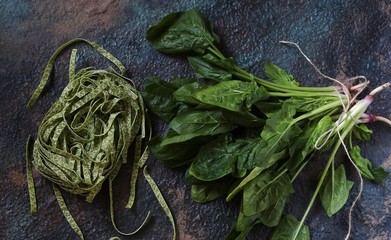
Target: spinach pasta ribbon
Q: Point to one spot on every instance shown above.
(84, 138)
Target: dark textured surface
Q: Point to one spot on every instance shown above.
(344, 38)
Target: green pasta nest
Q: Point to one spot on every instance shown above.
(85, 136)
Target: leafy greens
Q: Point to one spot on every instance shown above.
(253, 134)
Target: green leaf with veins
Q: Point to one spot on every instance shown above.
(271, 216)
(158, 96)
(376, 175)
(308, 104)
(177, 83)
(234, 234)
(287, 229)
(211, 68)
(225, 155)
(185, 93)
(379, 174)
(280, 130)
(264, 191)
(324, 124)
(182, 32)
(265, 188)
(257, 167)
(209, 191)
(243, 222)
(306, 141)
(259, 160)
(279, 76)
(244, 119)
(362, 163)
(268, 108)
(176, 150)
(201, 123)
(232, 95)
(335, 191)
(362, 132)
(225, 63)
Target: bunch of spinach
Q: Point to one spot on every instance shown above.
(240, 134)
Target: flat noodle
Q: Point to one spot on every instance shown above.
(160, 198)
(66, 212)
(85, 136)
(30, 180)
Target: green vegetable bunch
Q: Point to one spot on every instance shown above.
(243, 136)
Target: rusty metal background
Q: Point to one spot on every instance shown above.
(343, 38)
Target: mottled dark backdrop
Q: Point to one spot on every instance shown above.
(344, 38)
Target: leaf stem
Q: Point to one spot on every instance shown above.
(320, 183)
(213, 49)
(330, 162)
(319, 110)
(315, 112)
(298, 171)
(239, 72)
(302, 94)
(247, 76)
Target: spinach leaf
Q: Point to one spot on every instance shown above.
(379, 174)
(299, 150)
(182, 32)
(234, 155)
(305, 143)
(308, 104)
(209, 191)
(259, 159)
(176, 150)
(244, 119)
(235, 234)
(256, 163)
(253, 174)
(158, 96)
(363, 164)
(177, 83)
(376, 175)
(184, 94)
(271, 216)
(322, 126)
(268, 108)
(232, 95)
(279, 76)
(244, 222)
(212, 68)
(257, 167)
(223, 156)
(335, 191)
(362, 132)
(264, 191)
(224, 63)
(201, 123)
(190, 179)
(280, 130)
(287, 228)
